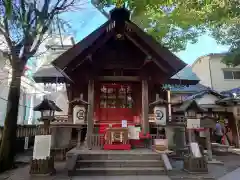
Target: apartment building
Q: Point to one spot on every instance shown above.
(31, 92)
(215, 74)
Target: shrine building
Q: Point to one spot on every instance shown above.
(114, 79)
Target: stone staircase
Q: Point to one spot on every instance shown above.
(119, 164)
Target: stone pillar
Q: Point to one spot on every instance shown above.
(90, 112)
(170, 136)
(190, 136)
(208, 143)
(145, 108)
(54, 137)
(79, 138)
(180, 137)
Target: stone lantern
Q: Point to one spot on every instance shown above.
(192, 112)
(43, 161)
(79, 110)
(160, 110)
(79, 115)
(47, 109)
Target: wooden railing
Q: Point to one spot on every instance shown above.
(26, 130)
(178, 120)
(32, 130)
(61, 119)
(96, 141)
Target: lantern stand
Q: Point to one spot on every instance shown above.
(43, 164)
(81, 116)
(194, 159)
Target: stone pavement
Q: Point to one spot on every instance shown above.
(122, 178)
(230, 170)
(232, 176)
(22, 173)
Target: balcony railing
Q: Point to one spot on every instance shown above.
(96, 141)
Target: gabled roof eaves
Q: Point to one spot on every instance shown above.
(162, 51)
(189, 89)
(202, 93)
(231, 91)
(186, 73)
(186, 105)
(64, 59)
(48, 74)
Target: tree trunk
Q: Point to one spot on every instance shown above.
(7, 148)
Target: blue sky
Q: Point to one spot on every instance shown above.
(86, 20)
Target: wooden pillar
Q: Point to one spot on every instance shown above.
(237, 132)
(90, 111)
(70, 106)
(145, 108)
(169, 105)
(236, 124)
(208, 143)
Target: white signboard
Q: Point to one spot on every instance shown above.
(193, 123)
(42, 147)
(124, 123)
(134, 132)
(202, 134)
(131, 130)
(195, 150)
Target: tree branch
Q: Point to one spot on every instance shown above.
(101, 10)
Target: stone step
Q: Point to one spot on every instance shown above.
(90, 171)
(113, 156)
(119, 163)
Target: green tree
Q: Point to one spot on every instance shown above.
(227, 32)
(23, 26)
(174, 23)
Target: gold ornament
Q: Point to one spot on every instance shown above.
(119, 3)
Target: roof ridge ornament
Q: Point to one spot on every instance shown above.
(119, 3)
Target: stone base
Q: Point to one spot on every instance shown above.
(60, 153)
(195, 165)
(42, 166)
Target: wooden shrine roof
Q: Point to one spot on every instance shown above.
(48, 74)
(229, 101)
(189, 105)
(119, 24)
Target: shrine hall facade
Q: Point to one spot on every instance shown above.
(114, 80)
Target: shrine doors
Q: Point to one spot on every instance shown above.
(115, 103)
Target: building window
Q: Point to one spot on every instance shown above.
(231, 74)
